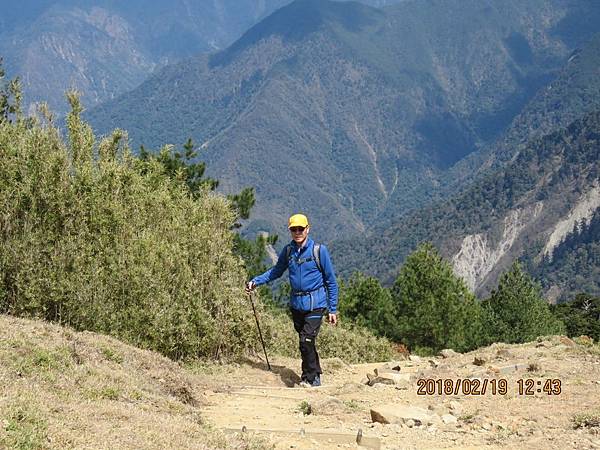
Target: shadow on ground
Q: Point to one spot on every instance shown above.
(288, 376)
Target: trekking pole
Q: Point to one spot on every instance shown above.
(259, 332)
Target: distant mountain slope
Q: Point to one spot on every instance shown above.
(104, 48)
(573, 265)
(345, 111)
(523, 210)
(573, 95)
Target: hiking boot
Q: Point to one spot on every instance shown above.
(315, 383)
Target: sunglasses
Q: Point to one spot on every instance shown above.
(297, 229)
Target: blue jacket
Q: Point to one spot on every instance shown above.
(310, 288)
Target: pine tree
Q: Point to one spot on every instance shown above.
(365, 301)
(10, 96)
(516, 312)
(581, 315)
(435, 308)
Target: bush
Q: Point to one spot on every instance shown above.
(97, 239)
(367, 303)
(347, 341)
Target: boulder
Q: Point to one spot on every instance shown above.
(449, 419)
(394, 413)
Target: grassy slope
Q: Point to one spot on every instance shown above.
(62, 389)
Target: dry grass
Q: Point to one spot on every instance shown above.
(63, 389)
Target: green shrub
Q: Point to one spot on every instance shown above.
(347, 341)
(366, 302)
(94, 238)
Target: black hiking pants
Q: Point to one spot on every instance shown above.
(307, 324)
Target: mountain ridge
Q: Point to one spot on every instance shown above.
(369, 118)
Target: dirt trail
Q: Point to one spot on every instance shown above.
(248, 396)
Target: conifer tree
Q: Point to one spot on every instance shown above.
(366, 302)
(10, 96)
(580, 315)
(516, 312)
(435, 308)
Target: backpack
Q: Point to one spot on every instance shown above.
(316, 256)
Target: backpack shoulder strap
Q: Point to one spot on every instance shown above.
(288, 252)
(317, 256)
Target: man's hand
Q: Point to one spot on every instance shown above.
(332, 319)
(250, 286)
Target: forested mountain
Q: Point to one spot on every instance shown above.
(573, 265)
(106, 47)
(525, 210)
(349, 113)
(573, 95)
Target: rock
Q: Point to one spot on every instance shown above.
(455, 406)
(373, 380)
(567, 341)
(433, 363)
(410, 423)
(449, 419)
(479, 361)
(393, 413)
(393, 365)
(448, 353)
(437, 409)
(414, 358)
(385, 370)
(487, 426)
(389, 378)
(503, 353)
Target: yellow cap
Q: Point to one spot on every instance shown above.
(298, 220)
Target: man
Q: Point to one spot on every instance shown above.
(314, 291)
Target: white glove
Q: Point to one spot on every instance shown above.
(250, 286)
